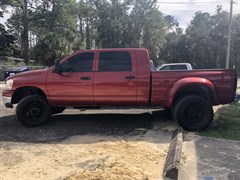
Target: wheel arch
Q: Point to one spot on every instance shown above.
(194, 86)
(25, 91)
(199, 90)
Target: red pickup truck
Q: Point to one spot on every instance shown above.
(119, 78)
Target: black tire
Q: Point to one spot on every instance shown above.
(56, 110)
(33, 110)
(193, 113)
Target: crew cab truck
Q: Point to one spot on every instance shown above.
(119, 78)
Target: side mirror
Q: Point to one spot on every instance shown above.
(58, 66)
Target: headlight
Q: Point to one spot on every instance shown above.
(9, 84)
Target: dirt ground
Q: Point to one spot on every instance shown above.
(92, 144)
(101, 144)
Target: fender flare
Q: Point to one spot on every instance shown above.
(20, 92)
(190, 81)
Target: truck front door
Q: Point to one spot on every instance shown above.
(73, 86)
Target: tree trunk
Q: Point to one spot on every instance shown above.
(52, 23)
(81, 26)
(25, 43)
(88, 34)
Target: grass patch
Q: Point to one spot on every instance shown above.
(226, 123)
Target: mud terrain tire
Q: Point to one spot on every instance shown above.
(33, 110)
(193, 113)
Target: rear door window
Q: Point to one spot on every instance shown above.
(115, 61)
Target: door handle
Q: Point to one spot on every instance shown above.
(129, 77)
(86, 78)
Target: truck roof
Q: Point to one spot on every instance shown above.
(117, 49)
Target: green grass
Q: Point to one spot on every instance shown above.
(226, 123)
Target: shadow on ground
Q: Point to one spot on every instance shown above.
(62, 126)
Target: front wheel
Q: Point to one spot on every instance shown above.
(33, 110)
(193, 113)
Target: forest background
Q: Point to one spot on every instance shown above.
(44, 30)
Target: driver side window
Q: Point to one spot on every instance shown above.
(79, 63)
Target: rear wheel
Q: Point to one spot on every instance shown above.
(193, 113)
(33, 110)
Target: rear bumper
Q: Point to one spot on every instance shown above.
(7, 98)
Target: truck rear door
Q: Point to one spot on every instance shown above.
(115, 81)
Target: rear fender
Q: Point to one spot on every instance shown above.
(188, 82)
